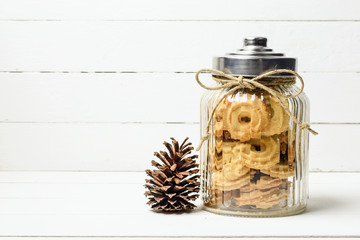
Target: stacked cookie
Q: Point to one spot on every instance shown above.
(253, 155)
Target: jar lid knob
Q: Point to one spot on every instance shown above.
(255, 41)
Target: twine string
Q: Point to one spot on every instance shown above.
(235, 83)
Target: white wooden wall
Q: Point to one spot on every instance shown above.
(92, 85)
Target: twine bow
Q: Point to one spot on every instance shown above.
(235, 83)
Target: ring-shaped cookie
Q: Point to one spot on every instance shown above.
(266, 182)
(282, 171)
(228, 154)
(272, 200)
(217, 154)
(260, 153)
(246, 120)
(279, 120)
(287, 146)
(219, 118)
(220, 182)
(234, 171)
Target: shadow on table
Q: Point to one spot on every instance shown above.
(316, 204)
(197, 209)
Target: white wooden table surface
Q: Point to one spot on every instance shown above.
(90, 205)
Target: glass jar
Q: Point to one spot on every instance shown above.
(255, 161)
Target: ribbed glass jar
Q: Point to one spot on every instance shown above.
(255, 162)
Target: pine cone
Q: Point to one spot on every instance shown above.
(174, 183)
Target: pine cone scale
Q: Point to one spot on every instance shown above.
(162, 158)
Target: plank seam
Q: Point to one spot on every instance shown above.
(119, 171)
(153, 72)
(179, 20)
(181, 237)
(144, 123)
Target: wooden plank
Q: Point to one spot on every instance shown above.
(179, 10)
(130, 147)
(143, 97)
(99, 97)
(79, 185)
(101, 177)
(78, 177)
(112, 147)
(175, 46)
(331, 101)
(70, 194)
(118, 210)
